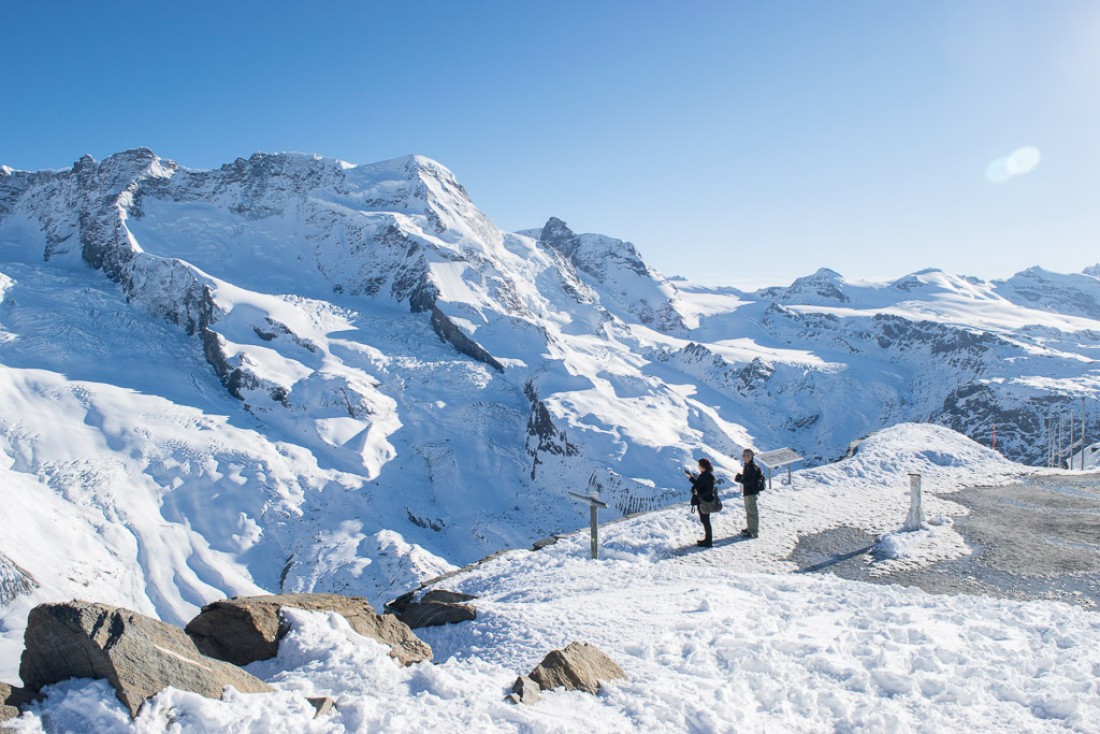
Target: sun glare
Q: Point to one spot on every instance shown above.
(1017, 163)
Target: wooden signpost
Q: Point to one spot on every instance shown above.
(594, 503)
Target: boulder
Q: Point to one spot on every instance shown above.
(524, 690)
(139, 656)
(433, 608)
(579, 667)
(245, 629)
(442, 596)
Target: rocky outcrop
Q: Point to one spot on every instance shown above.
(243, 630)
(13, 581)
(543, 437)
(579, 667)
(433, 608)
(448, 332)
(139, 656)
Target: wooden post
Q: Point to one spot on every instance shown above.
(916, 510)
(594, 503)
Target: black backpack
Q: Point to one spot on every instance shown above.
(761, 481)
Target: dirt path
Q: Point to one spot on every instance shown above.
(1039, 539)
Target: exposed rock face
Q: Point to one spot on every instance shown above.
(13, 580)
(451, 334)
(243, 630)
(139, 656)
(579, 667)
(543, 437)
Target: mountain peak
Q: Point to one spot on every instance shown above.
(122, 167)
(823, 285)
(557, 236)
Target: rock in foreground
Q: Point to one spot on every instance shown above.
(139, 656)
(433, 608)
(245, 629)
(579, 667)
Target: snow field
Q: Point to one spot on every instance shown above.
(709, 642)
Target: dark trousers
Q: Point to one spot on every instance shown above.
(704, 517)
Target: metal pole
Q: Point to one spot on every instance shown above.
(1050, 441)
(595, 525)
(1072, 435)
(1084, 443)
(1062, 448)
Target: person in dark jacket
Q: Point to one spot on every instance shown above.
(751, 478)
(702, 489)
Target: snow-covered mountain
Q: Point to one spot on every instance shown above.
(292, 373)
(725, 639)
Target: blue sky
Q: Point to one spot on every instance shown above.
(735, 143)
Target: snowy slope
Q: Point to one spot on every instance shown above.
(718, 640)
(294, 373)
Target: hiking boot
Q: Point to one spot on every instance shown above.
(704, 544)
(746, 533)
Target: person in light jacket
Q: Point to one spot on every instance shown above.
(752, 481)
(702, 489)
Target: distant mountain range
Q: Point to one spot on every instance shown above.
(292, 373)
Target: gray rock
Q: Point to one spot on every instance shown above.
(322, 704)
(433, 614)
(139, 656)
(243, 630)
(443, 596)
(579, 667)
(525, 690)
(432, 608)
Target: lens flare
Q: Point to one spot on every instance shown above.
(1017, 163)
